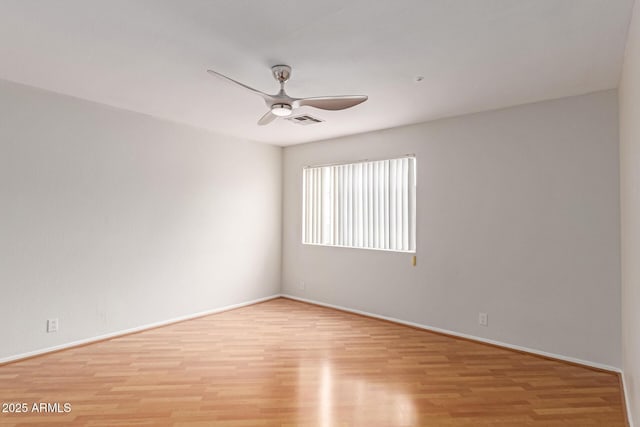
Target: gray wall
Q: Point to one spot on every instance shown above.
(630, 210)
(111, 220)
(518, 216)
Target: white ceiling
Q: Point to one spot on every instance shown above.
(151, 56)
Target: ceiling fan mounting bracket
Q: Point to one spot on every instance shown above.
(281, 72)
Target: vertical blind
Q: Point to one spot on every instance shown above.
(363, 205)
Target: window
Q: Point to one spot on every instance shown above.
(369, 204)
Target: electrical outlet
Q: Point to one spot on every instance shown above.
(52, 325)
(483, 319)
(303, 285)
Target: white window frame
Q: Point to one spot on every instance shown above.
(368, 204)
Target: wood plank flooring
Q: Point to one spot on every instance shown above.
(287, 363)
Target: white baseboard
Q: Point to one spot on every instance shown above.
(466, 336)
(132, 330)
(626, 400)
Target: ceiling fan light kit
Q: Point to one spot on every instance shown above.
(281, 110)
(282, 105)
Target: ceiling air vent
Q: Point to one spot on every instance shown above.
(305, 120)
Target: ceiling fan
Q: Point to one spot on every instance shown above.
(282, 105)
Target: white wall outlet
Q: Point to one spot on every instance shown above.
(483, 319)
(302, 285)
(52, 325)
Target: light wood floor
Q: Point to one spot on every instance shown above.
(286, 363)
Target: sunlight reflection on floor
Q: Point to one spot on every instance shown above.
(357, 401)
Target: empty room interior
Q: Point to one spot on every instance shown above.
(335, 213)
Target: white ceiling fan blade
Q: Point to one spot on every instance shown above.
(331, 102)
(267, 118)
(230, 80)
